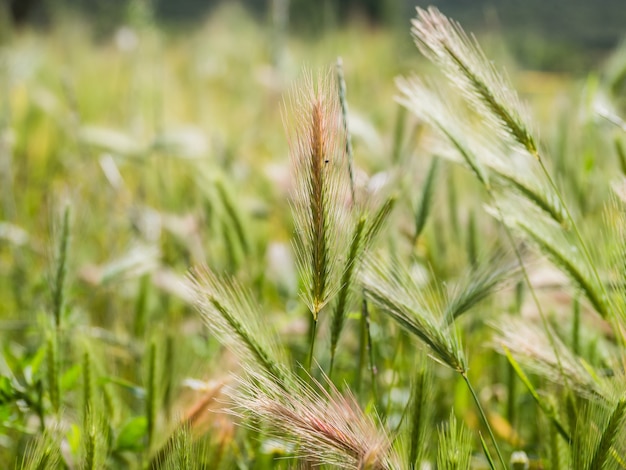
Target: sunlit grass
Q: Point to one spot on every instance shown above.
(465, 231)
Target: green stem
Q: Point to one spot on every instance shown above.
(576, 327)
(484, 418)
(313, 332)
(362, 351)
(370, 350)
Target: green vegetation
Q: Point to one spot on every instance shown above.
(210, 258)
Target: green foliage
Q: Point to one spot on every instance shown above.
(113, 356)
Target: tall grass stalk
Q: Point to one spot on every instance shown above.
(58, 291)
(339, 312)
(366, 352)
(483, 416)
(419, 414)
(53, 372)
(343, 101)
(151, 394)
(318, 164)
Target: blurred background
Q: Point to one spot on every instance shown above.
(139, 138)
(561, 35)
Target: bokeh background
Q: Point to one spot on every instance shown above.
(548, 35)
(140, 138)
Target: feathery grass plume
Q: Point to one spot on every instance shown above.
(531, 347)
(564, 252)
(455, 446)
(43, 453)
(599, 437)
(397, 294)
(234, 318)
(615, 220)
(313, 125)
(190, 427)
(429, 105)
(378, 220)
(426, 199)
(480, 282)
(328, 428)
(444, 42)
(94, 441)
(541, 196)
(566, 255)
(179, 453)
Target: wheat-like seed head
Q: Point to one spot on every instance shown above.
(532, 348)
(444, 42)
(397, 294)
(321, 192)
(328, 428)
(231, 315)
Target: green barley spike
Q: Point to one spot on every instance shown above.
(609, 435)
(347, 280)
(419, 411)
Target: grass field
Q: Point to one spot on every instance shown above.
(218, 249)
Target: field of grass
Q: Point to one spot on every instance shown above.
(221, 249)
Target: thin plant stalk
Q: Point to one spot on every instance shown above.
(151, 386)
(61, 271)
(312, 334)
(490, 461)
(346, 284)
(343, 101)
(365, 318)
(484, 419)
(576, 327)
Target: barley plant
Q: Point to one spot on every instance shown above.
(280, 285)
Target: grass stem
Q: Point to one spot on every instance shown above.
(484, 418)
